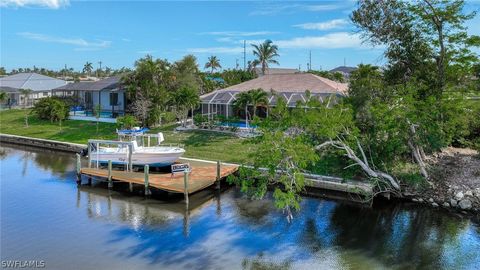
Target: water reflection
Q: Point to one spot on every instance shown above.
(219, 229)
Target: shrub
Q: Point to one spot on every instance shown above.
(168, 117)
(127, 121)
(199, 119)
(51, 108)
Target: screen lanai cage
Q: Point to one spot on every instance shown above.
(290, 87)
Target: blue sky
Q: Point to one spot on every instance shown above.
(52, 33)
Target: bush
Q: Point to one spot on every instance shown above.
(51, 108)
(127, 121)
(199, 119)
(168, 117)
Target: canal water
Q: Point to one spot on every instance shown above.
(46, 217)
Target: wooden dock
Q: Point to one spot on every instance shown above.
(198, 178)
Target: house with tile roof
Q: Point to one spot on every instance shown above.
(292, 87)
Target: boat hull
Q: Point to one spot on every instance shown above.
(138, 159)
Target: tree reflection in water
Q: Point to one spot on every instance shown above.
(226, 230)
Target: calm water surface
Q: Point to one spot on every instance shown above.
(45, 216)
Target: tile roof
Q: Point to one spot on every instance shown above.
(299, 82)
(292, 87)
(32, 81)
(104, 84)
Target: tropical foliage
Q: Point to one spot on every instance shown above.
(421, 101)
(126, 122)
(266, 53)
(213, 63)
(51, 108)
(182, 101)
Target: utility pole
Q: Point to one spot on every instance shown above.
(310, 61)
(65, 72)
(100, 63)
(344, 62)
(244, 55)
(236, 63)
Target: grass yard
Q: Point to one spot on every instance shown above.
(198, 144)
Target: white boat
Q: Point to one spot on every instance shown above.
(154, 156)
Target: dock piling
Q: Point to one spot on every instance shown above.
(185, 182)
(79, 169)
(89, 148)
(110, 183)
(217, 186)
(147, 190)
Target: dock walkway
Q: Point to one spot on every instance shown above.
(199, 178)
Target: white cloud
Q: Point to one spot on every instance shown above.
(239, 33)
(333, 24)
(126, 39)
(321, 7)
(70, 41)
(216, 50)
(328, 41)
(273, 9)
(53, 4)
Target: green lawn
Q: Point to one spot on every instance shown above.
(198, 144)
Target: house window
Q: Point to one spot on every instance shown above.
(45, 93)
(113, 99)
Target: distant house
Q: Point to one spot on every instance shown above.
(108, 93)
(344, 70)
(274, 71)
(40, 85)
(291, 87)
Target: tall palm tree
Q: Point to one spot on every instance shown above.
(258, 98)
(87, 68)
(213, 63)
(265, 53)
(26, 95)
(243, 100)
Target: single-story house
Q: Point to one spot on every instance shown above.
(291, 87)
(108, 93)
(40, 85)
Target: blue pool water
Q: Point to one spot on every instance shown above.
(237, 124)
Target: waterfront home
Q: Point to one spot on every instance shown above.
(107, 93)
(290, 86)
(40, 86)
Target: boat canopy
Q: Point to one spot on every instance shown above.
(132, 132)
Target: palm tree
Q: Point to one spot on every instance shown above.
(184, 99)
(26, 93)
(87, 68)
(243, 100)
(213, 63)
(265, 53)
(259, 98)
